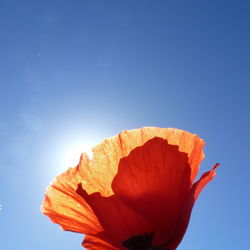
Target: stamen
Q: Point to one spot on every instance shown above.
(142, 242)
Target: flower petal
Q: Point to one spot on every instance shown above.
(110, 151)
(183, 221)
(154, 181)
(119, 221)
(95, 243)
(65, 207)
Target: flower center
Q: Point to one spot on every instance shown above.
(142, 242)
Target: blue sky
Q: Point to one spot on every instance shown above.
(75, 72)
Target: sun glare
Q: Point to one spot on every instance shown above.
(70, 155)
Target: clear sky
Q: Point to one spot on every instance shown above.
(75, 72)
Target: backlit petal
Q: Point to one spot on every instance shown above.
(65, 207)
(106, 156)
(94, 243)
(117, 219)
(154, 181)
(137, 182)
(183, 221)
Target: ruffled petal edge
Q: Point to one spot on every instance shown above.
(183, 221)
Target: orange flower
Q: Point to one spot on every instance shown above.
(136, 193)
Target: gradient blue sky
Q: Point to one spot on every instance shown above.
(75, 72)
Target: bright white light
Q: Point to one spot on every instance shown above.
(72, 156)
(71, 152)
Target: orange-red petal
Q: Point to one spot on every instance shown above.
(118, 220)
(154, 181)
(65, 207)
(106, 156)
(107, 210)
(95, 243)
(183, 221)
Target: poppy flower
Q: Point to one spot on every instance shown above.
(137, 192)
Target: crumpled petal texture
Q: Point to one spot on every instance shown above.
(137, 182)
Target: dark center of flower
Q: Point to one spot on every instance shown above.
(142, 242)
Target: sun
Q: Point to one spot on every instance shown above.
(72, 156)
(70, 152)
